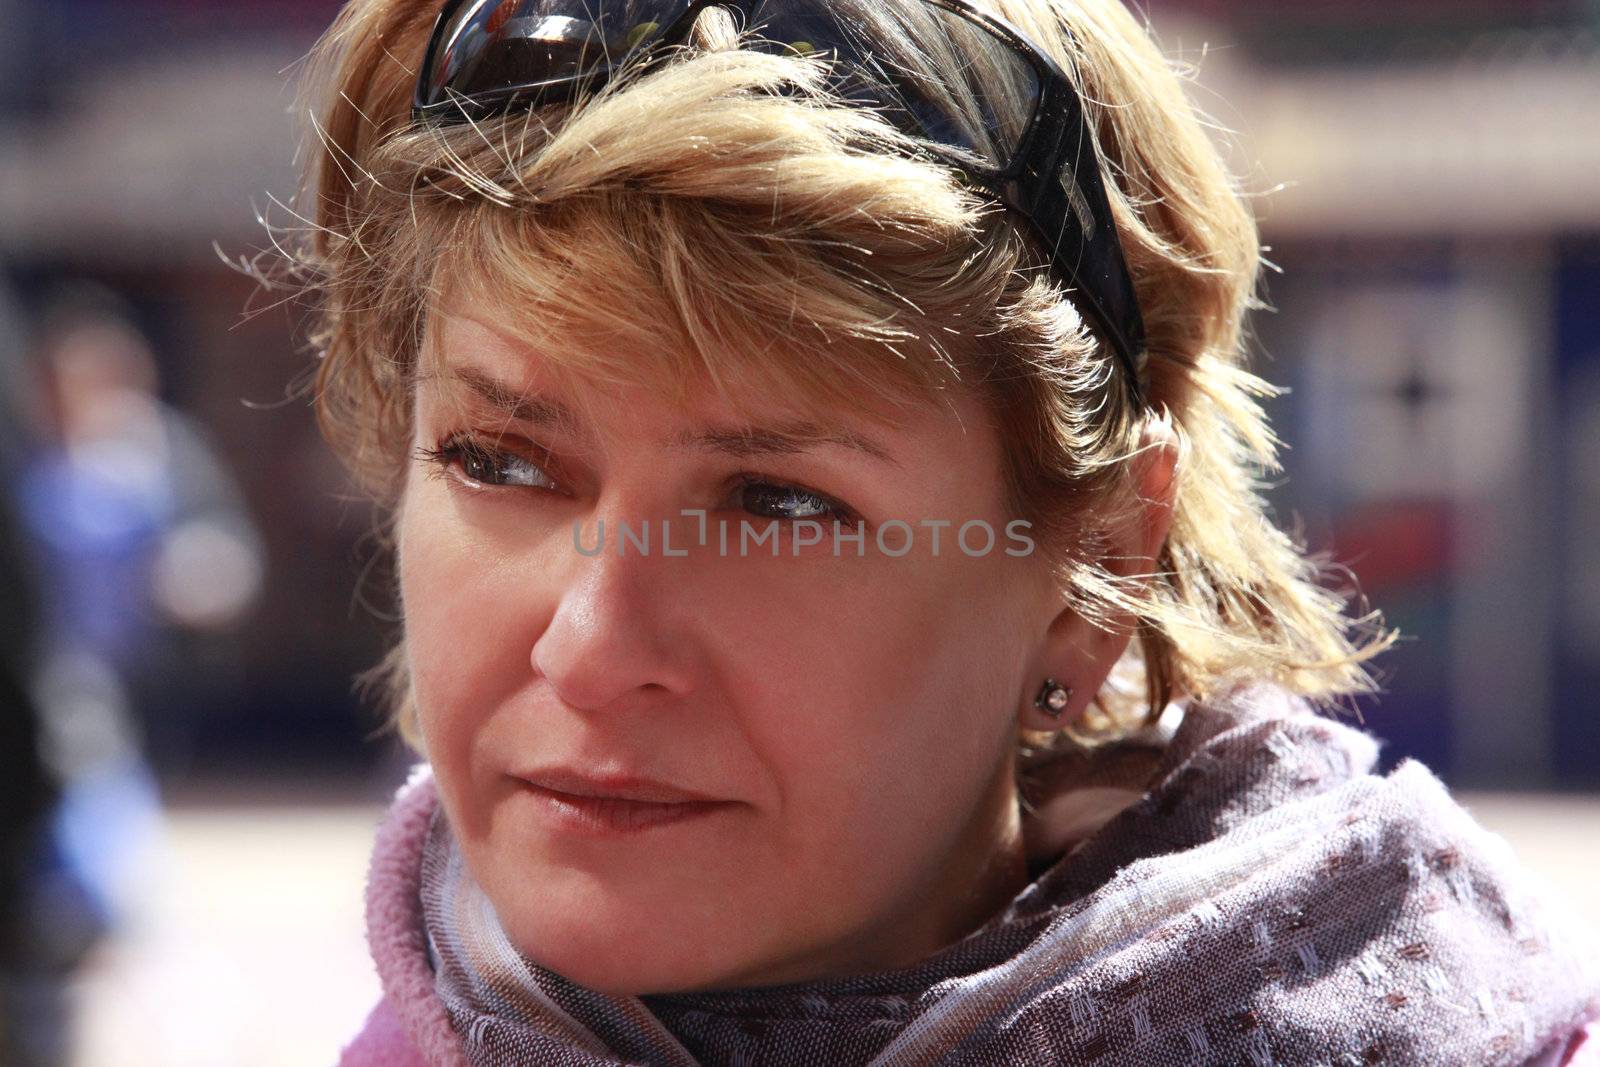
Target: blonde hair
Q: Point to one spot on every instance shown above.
(696, 201)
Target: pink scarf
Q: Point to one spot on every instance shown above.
(1268, 900)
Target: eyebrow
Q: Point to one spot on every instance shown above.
(742, 441)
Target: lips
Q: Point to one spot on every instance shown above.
(614, 804)
(613, 786)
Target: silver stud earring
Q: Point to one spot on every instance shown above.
(1052, 698)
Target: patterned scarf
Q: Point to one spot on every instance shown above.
(1266, 900)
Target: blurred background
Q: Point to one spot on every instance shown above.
(189, 583)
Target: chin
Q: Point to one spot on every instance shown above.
(620, 950)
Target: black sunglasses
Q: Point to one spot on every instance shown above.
(1018, 127)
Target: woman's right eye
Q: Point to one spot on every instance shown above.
(480, 464)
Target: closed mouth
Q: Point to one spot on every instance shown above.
(617, 814)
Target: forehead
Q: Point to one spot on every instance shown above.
(581, 381)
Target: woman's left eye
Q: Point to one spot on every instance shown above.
(775, 500)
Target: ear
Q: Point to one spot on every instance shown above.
(1076, 653)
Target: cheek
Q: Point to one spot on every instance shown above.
(466, 626)
(884, 710)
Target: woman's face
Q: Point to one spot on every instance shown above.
(854, 712)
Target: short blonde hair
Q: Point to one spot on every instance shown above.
(693, 201)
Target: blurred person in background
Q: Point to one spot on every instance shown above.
(146, 540)
(819, 806)
(141, 542)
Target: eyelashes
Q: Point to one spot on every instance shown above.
(482, 465)
(477, 466)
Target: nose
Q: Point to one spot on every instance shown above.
(619, 630)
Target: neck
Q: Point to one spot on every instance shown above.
(984, 869)
(987, 869)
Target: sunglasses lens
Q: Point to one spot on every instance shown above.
(492, 49)
(933, 73)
